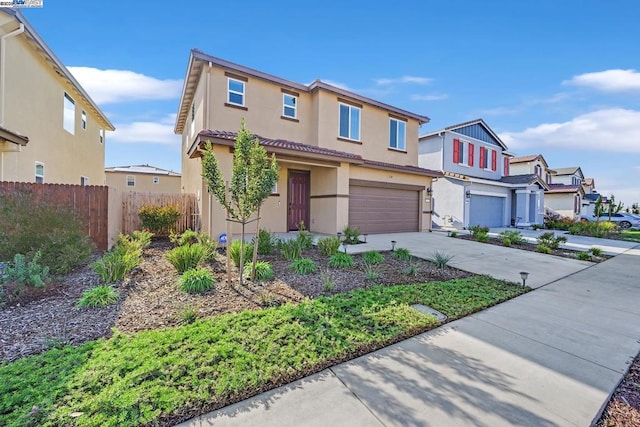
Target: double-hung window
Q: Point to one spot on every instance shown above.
(39, 173)
(131, 181)
(349, 122)
(83, 120)
(69, 114)
(289, 106)
(397, 134)
(463, 152)
(84, 180)
(235, 93)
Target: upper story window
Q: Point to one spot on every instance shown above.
(397, 134)
(101, 135)
(548, 178)
(83, 120)
(289, 106)
(576, 180)
(39, 173)
(156, 179)
(349, 122)
(84, 180)
(484, 158)
(192, 128)
(235, 93)
(463, 152)
(538, 170)
(69, 114)
(131, 181)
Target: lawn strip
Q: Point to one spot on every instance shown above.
(168, 375)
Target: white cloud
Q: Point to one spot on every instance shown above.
(336, 84)
(404, 79)
(608, 81)
(614, 129)
(527, 103)
(159, 132)
(430, 97)
(111, 86)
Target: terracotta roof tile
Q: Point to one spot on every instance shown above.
(563, 188)
(523, 159)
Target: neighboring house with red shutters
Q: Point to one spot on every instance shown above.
(477, 187)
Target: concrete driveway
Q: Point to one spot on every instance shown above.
(480, 258)
(576, 243)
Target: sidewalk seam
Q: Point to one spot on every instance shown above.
(357, 397)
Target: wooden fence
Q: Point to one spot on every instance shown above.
(89, 203)
(133, 201)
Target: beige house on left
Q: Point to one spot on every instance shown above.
(51, 131)
(143, 178)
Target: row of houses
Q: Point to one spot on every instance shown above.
(345, 159)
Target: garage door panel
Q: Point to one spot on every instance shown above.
(383, 210)
(486, 211)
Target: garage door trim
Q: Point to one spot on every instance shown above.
(382, 184)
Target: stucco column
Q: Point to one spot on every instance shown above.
(522, 207)
(342, 203)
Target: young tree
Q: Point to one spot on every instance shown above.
(253, 175)
(612, 207)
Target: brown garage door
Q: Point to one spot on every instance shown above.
(383, 210)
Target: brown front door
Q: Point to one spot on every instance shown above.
(298, 199)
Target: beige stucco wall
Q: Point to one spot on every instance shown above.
(144, 182)
(528, 168)
(562, 203)
(34, 98)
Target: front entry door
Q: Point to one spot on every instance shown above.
(298, 199)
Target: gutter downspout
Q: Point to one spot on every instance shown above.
(13, 33)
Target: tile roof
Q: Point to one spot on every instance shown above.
(281, 143)
(146, 169)
(524, 159)
(562, 188)
(566, 171)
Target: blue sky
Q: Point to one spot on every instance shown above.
(561, 78)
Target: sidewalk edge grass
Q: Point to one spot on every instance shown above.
(164, 376)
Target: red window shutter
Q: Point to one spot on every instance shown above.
(494, 160)
(506, 166)
(482, 165)
(471, 149)
(456, 151)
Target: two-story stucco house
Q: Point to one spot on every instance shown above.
(566, 192)
(477, 187)
(143, 178)
(345, 159)
(50, 129)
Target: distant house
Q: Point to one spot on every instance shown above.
(51, 131)
(478, 187)
(590, 197)
(144, 178)
(565, 193)
(345, 159)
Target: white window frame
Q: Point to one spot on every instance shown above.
(235, 92)
(487, 160)
(41, 176)
(83, 120)
(156, 180)
(101, 135)
(67, 116)
(192, 127)
(351, 108)
(84, 180)
(274, 189)
(464, 154)
(133, 180)
(404, 141)
(285, 106)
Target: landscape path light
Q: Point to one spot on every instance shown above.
(524, 275)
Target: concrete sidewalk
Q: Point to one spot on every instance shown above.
(548, 358)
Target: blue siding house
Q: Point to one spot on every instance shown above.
(477, 188)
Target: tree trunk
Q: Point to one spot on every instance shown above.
(228, 237)
(255, 248)
(241, 266)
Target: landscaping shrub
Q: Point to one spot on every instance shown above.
(372, 257)
(402, 254)
(264, 271)
(160, 220)
(453, 234)
(340, 260)
(234, 252)
(583, 256)
(514, 237)
(190, 237)
(143, 237)
(304, 266)
(543, 249)
(195, 280)
(99, 296)
(600, 229)
(305, 238)
(290, 249)
(25, 272)
(187, 238)
(595, 251)
(506, 241)
(329, 245)
(28, 225)
(188, 316)
(441, 259)
(550, 240)
(266, 242)
(187, 257)
(371, 272)
(351, 235)
(482, 237)
(327, 283)
(478, 229)
(411, 270)
(114, 265)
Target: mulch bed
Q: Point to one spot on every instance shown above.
(561, 252)
(38, 319)
(623, 409)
